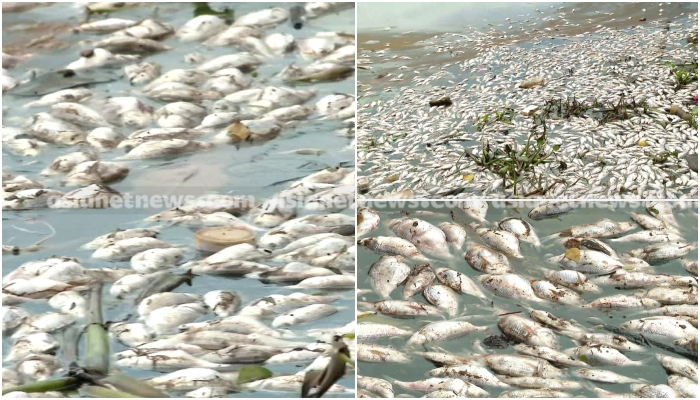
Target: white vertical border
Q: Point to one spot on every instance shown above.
(357, 81)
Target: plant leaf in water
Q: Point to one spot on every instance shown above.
(347, 359)
(468, 177)
(573, 254)
(349, 336)
(253, 373)
(204, 9)
(44, 386)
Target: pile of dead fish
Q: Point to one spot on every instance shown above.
(471, 280)
(215, 103)
(305, 246)
(407, 148)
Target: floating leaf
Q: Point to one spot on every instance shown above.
(346, 359)
(364, 316)
(628, 267)
(392, 178)
(573, 254)
(643, 143)
(349, 335)
(468, 177)
(238, 131)
(556, 147)
(653, 210)
(51, 385)
(254, 373)
(583, 358)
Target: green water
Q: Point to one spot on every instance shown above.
(251, 170)
(533, 265)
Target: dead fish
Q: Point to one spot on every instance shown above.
(649, 391)
(90, 172)
(98, 57)
(458, 282)
(573, 280)
(263, 18)
(604, 228)
(520, 228)
(588, 261)
(200, 28)
(548, 354)
(526, 331)
(74, 95)
(510, 286)
(500, 240)
(402, 308)
(427, 237)
(420, 278)
(553, 209)
(621, 302)
(375, 353)
(458, 386)
(392, 246)
(661, 326)
(598, 354)
(163, 148)
(487, 260)
(664, 251)
(142, 73)
(550, 291)
(515, 365)
(603, 375)
(388, 273)
(304, 315)
(124, 249)
(443, 298)
(442, 331)
(368, 330)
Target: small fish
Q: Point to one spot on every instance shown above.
(509, 286)
(604, 229)
(368, 330)
(515, 365)
(388, 273)
(553, 209)
(598, 354)
(472, 373)
(526, 331)
(392, 246)
(487, 260)
(520, 228)
(458, 282)
(367, 221)
(663, 251)
(443, 298)
(402, 308)
(428, 238)
(500, 240)
(375, 353)
(549, 354)
(603, 375)
(420, 278)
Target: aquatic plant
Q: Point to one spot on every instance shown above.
(506, 116)
(512, 162)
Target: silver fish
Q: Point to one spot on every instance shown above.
(458, 282)
(520, 228)
(388, 273)
(441, 331)
(420, 278)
